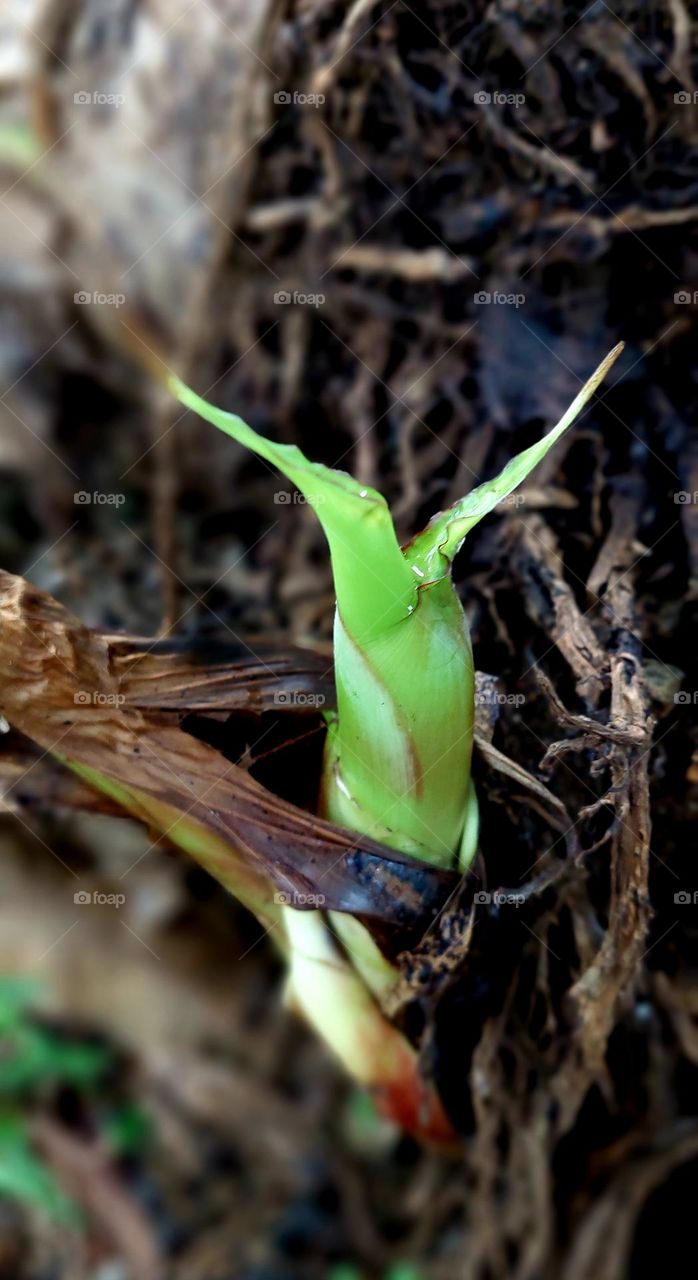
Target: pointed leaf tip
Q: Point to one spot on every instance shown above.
(430, 554)
(375, 589)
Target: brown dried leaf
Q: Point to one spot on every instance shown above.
(58, 686)
(219, 676)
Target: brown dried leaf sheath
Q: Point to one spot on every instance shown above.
(262, 843)
(227, 676)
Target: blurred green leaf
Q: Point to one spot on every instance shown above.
(16, 995)
(24, 1177)
(32, 1054)
(19, 145)
(126, 1130)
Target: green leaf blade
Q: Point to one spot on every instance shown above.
(374, 585)
(23, 1176)
(431, 553)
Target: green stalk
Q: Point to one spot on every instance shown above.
(397, 760)
(398, 751)
(330, 993)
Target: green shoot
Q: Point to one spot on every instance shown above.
(397, 761)
(396, 766)
(398, 751)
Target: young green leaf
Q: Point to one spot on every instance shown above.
(398, 753)
(25, 1178)
(397, 761)
(375, 587)
(430, 554)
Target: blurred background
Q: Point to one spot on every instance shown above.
(402, 236)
